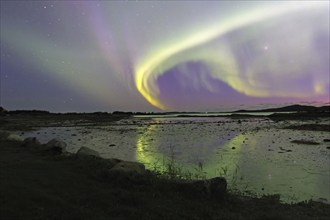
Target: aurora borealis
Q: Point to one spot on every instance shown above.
(163, 55)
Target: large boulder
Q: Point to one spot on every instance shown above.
(56, 146)
(127, 167)
(14, 137)
(87, 152)
(31, 142)
(112, 162)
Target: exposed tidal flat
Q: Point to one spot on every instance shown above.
(268, 165)
(256, 155)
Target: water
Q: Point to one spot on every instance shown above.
(255, 155)
(207, 114)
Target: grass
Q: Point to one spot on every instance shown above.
(171, 169)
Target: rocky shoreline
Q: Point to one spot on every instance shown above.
(214, 187)
(43, 181)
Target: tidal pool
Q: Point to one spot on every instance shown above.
(255, 155)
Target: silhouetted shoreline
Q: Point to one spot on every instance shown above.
(42, 185)
(64, 186)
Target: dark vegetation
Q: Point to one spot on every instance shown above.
(28, 120)
(40, 185)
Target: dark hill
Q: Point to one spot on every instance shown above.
(292, 108)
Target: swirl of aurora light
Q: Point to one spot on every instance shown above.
(172, 55)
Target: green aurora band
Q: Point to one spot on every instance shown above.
(221, 60)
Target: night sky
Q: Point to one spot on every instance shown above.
(150, 56)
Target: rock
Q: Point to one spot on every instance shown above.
(127, 167)
(326, 140)
(56, 145)
(113, 161)
(30, 142)
(14, 137)
(322, 200)
(87, 152)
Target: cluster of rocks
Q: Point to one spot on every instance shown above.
(55, 146)
(118, 166)
(58, 147)
(215, 187)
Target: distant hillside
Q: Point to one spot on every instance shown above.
(292, 108)
(29, 112)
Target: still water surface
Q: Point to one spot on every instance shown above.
(255, 155)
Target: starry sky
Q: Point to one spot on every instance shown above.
(163, 55)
